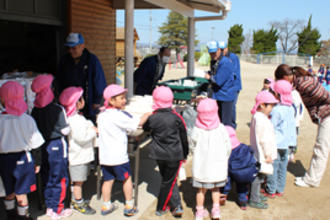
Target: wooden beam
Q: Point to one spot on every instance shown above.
(174, 5)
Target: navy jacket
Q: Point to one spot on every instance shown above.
(169, 135)
(88, 74)
(223, 81)
(237, 71)
(144, 76)
(242, 164)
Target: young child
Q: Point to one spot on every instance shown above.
(268, 84)
(242, 169)
(52, 123)
(81, 149)
(283, 120)
(262, 141)
(169, 149)
(113, 125)
(19, 150)
(211, 149)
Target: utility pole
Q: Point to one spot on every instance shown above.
(150, 31)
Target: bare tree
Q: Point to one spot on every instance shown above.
(247, 43)
(287, 32)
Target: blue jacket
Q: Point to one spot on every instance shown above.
(242, 164)
(144, 76)
(237, 71)
(282, 117)
(88, 74)
(223, 81)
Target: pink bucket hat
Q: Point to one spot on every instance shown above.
(263, 97)
(12, 94)
(207, 117)
(284, 88)
(233, 137)
(41, 85)
(111, 91)
(69, 98)
(163, 97)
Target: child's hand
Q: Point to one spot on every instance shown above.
(269, 159)
(36, 169)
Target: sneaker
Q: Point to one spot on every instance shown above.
(263, 198)
(258, 205)
(177, 212)
(300, 182)
(65, 213)
(242, 205)
(279, 194)
(54, 216)
(83, 208)
(223, 199)
(49, 212)
(201, 214)
(161, 212)
(216, 213)
(269, 195)
(130, 211)
(106, 211)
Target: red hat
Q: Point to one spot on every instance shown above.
(12, 94)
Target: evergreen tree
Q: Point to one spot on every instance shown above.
(236, 38)
(308, 39)
(264, 41)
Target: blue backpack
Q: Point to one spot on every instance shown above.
(243, 167)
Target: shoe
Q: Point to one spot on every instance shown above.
(49, 212)
(130, 211)
(242, 205)
(223, 199)
(279, 194)
(258, 205)
(216, 213)
(269, 195)
(23, 217)
(201, 214)
(65, 213)
(106, 211)
(291, 157)
(263, 198)
(54, 216)
(300, 182)
(177, 212)
(161, 212)
(11, 214)
(83, 208)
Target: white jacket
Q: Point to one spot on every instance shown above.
(262, 141)
(81, 140)
(211, 150)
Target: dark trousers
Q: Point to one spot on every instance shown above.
(169, 192)
(226, 112)
(54, 171)
(242, 189)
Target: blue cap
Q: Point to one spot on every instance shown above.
(74, 39)
(212, 46)
(222, 44)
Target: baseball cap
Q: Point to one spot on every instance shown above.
(222, 44)
(74, 39)
(212, 46)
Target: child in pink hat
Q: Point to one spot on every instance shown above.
(114, 124)
(169, 147)
(81, 148)
(20, 142)
(52, 123)
(263, 143)
(242, 169)
(211, 147)
(283, 120)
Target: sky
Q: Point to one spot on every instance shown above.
(252, 14)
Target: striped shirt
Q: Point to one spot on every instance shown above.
(315, 97)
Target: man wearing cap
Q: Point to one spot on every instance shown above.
(237, 75)
(222, 80)
(150, 71)
(81, 68)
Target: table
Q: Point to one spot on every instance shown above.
(136, 141)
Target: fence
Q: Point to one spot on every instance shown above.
(292, 60)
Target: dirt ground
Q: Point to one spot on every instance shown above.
(297, 203)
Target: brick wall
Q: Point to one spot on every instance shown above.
(96, 20)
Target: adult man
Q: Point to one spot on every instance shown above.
(81, 68)
(222, 78)
(237, 76)
(150, 71)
